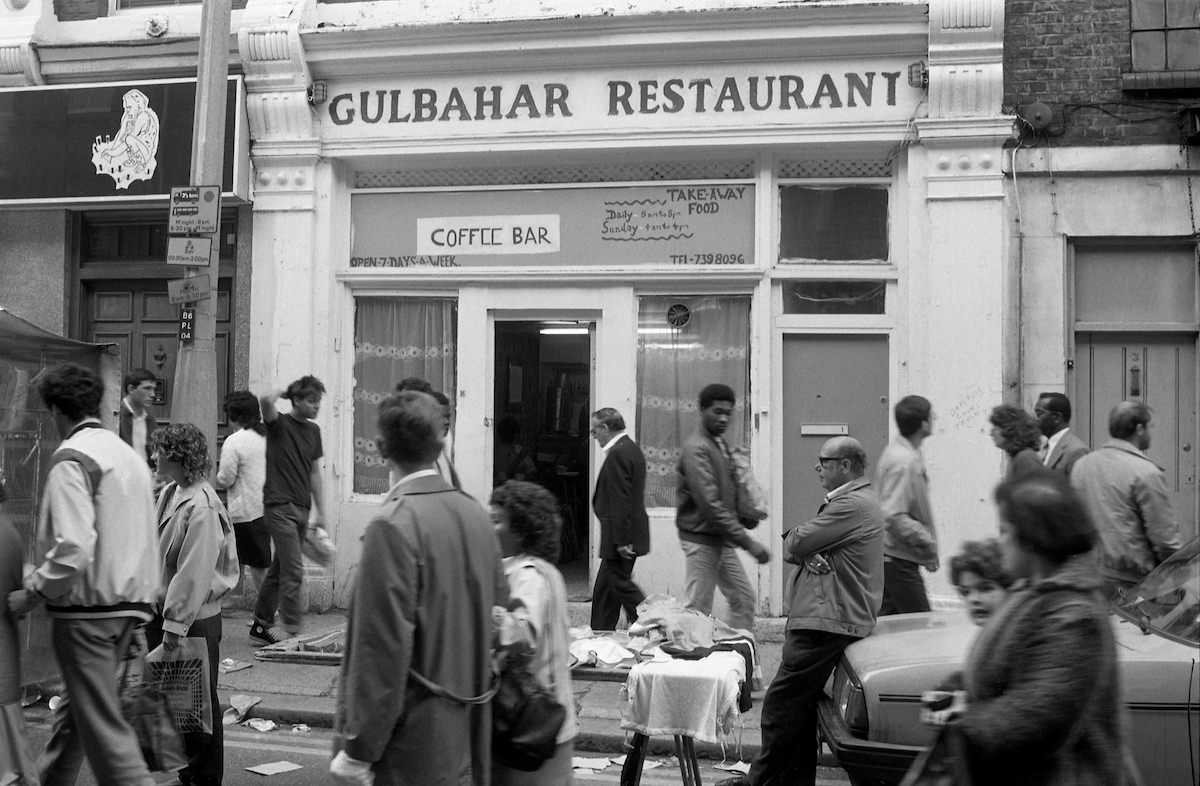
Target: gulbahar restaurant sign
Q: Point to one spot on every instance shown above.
(739, 95)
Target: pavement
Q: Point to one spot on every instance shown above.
(294, 693)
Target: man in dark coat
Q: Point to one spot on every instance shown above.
(421, 615)
(620, 505)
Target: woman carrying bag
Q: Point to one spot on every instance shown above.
(527, 524)
(198, 555)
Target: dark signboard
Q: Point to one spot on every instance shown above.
(115, 141)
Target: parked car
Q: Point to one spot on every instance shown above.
(869, 716)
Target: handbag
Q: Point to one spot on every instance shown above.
(944, 763)
(751, 501)
(146, 709)
(526, 717)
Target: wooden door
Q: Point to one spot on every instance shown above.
(137, 316)
(832, 384)
(1159, 369)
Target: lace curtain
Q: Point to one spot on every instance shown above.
(674, 361)
(396, 338)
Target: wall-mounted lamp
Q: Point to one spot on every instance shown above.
(318, 92)
(918, 75)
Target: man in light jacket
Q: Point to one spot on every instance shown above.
(836, 591)
(98, 579)
(910, 542)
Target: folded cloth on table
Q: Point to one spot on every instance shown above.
(694, 698)
(601, 651)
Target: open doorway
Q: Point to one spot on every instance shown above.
(542, 405)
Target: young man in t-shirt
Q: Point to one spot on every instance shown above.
(292, 488)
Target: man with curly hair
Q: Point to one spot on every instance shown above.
(292, 490)
(98, 579)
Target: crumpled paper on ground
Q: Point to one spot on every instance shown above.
(737, 766)
(240, 704)
(261, 724)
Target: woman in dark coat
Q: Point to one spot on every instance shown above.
(1016, 432)
(1041, 705)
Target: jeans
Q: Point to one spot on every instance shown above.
(281, 588)
(788, 756)
(903, 589)
(91, 654)
(708, 567)
(614, 590)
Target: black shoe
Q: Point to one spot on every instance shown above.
(261, 634)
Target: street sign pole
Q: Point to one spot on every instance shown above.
(195, 388)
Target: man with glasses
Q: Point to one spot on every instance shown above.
(1063, 448)
(903, 487)
(835, 592)
(706, 516)
(620, 505)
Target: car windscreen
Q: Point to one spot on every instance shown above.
(1167, 601)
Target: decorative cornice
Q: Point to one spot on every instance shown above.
(966, 52)
(19, 62)
(285, 175)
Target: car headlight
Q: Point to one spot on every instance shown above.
(851, 702)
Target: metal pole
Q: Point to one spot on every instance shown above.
(196, 364)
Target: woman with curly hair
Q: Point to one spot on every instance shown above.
(978, 573)
(198, 556)
(1016, 432)
(526, 519)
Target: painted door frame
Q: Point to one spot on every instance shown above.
(613, 309)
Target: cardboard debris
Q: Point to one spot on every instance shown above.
(274, 768)
(240, 704)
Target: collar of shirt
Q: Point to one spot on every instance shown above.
(421, 473)
(613, 441)
(839, 490)
(136, 416)
(1052, 442)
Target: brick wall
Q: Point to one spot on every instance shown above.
(1070, 54)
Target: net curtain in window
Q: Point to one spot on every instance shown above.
(674, 361)
(395, 338)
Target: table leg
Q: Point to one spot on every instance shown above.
(631, 772)
(689, 768)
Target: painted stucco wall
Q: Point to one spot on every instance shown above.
(33, 266)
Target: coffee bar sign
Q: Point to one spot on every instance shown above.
(734, 96)
(695, 225)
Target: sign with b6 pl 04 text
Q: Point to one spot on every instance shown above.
(189, 290)
(194, 210)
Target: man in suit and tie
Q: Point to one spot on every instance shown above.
(1063, 448)
(620, 505)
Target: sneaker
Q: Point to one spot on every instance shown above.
(260, 634)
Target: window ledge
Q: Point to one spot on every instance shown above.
(1160, 80)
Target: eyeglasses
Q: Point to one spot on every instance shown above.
(822, 459)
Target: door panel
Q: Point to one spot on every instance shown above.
(138, 317)
(1159, 369)
(828, 381)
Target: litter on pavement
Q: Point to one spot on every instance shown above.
(261, 724)
(737, 766)
(229, 665)
(240, 704)
(274, 768)
(300, 728)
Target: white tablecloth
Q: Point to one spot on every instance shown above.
(695, 698)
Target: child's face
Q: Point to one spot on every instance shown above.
(307, 407)
(982, 596)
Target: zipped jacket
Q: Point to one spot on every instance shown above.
(197, 554)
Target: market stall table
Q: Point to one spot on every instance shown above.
(690, 699)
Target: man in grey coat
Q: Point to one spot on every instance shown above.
(836, 591)
(421, 614)
(1063, 448)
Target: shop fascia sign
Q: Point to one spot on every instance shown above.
(739, 95)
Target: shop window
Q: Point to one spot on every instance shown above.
(685, 343)
(1165, 35)
(834, 297)
(833, 223)
(395, 338)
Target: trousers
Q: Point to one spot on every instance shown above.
(615, 590)
(91, 653)
(708, 567)
(788, 756)
(903, 588)
(280, 590)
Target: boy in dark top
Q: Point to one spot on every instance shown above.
(293, 487)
